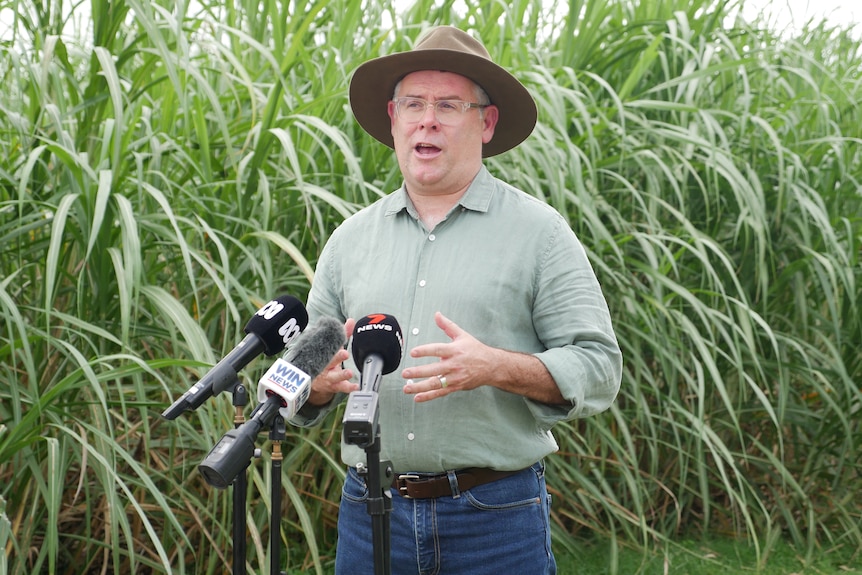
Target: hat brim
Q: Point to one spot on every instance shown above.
(373, 84)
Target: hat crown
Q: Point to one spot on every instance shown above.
(451, 38)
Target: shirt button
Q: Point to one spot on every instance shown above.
(415, 331)
(410, 436)
(432, 237)
(421, 283)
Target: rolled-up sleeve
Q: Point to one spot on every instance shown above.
(572, 319)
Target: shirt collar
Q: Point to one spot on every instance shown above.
(476, 198)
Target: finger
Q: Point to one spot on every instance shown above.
(436, 383)
(427, 370)
(348, 326)
(442, 350)
(340, 357)
(430, 395)
(428, 350)
(346, 387)
(449, 327)
(336, 380)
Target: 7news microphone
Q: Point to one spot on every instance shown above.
(269, 331)
(377, 348)
(282, 390)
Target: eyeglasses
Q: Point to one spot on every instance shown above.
(447, 112)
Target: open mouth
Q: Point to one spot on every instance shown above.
(426, 149)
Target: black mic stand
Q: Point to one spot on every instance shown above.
(277, 433)
(240, 489)
(227, 464)
(361, 428)
(379, 504)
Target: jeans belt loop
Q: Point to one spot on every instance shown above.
(453, 484)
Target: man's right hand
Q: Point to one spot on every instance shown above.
(334, 378)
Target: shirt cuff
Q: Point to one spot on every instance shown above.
(311, 415)
(589, 378)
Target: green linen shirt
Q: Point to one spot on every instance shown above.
(506, 268)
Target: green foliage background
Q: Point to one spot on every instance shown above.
(167, 167)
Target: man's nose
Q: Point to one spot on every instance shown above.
(430, 108)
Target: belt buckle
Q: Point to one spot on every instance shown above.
(402, 483)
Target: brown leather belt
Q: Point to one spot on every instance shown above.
(421, 486)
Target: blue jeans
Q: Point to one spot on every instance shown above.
(502, 527)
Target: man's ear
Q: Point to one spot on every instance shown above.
(490, 115)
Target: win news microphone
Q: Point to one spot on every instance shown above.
(282, 390)
(269, 331)
(377, 348)
(290, 378)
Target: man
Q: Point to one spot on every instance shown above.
(506, 330)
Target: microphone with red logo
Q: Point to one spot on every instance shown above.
(282, 390)
(377, 348)
(269, 331)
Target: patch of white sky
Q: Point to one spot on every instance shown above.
(75, 14)
(794, 14)
(779, 14)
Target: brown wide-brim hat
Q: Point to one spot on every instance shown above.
(447, 49)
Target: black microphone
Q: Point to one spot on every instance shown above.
(377, 347)
(282, 390)
(269, 331)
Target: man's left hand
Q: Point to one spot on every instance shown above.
(464, 363)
